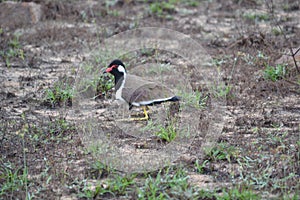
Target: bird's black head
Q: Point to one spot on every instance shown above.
(116, 68)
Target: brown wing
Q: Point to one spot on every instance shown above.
(137, 89)
(150, 92)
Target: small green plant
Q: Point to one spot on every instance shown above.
(192, 3)
(159, 70)
(275, 73)
(99, 169)
(257, 16)
(90, 191)
(168, 133)
(14, 51)
(118, 185)
(218, 61)
(162, 9)
(195, 99)
(223, 91)
(60, 94)
(59, 126)
(238, 193)
(222, 152)
(277, 31)
(103, 85)
(108, 5)
(11, 178)
(200, 167)
(167, 185)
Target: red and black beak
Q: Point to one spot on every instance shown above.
(108, 70)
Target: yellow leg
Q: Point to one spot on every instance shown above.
(145, 118)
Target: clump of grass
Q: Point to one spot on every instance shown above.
(167, 134)
(169, 185)
(257, 16)
(117, 185)
(194, 99)
(59, 126)
(163, 9)
(12, 179)
(238, 193)
(14, 50)
(277, 31)
(200, 167)
(104, 84)
(61, 94)
(192, 3)
(222, 151)
(275, 73)
(99, 170)
(222, 91)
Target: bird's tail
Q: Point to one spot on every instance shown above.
(175, 98)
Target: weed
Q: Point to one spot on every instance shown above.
(218, 61)
(167, 186)
(59, 126)
(118, 185)
(114, 13)
(282, 180)
(162, 9)
(288, 196)
(192, 3)
(60, 94)
(222, 152)
(14, 51)
(200, 167)
(194, 99)
(222, 91)
(168, 133)
(277, 31)
(275, 73)
(159, 70)
(262, 56)
(256, 16)
(170, 184)
(98, 169)
(11, 178)
(104, 84)
(91, 192)
(238, 193)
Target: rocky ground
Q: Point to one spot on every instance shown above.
(51, 50)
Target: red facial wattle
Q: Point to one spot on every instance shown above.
(110, 69)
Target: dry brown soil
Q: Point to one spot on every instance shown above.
(260, 135)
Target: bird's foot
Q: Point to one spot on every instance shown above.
(133, 119)
(140, 119)
(144, 118)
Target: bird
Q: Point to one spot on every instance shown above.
(137, 91)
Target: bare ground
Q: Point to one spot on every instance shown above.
(260, 138)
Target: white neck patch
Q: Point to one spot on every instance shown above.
(121, 69)
(119, 91)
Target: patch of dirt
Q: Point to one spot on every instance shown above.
(261, 118)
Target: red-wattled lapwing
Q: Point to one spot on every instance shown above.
(137, 91)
